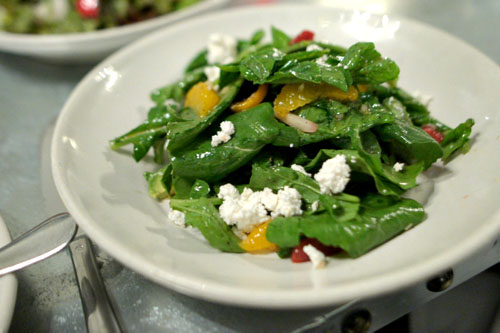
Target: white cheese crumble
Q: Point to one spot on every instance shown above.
(398, 166)
(300, 168)
(221, 49)
(224, 135)
(244, 212)
(212, 73)
(317, 257)
(251, 208)
(313, 47)
(177, 217)
(315, 206)
(289, 202)
(322, 61)
(333, 175)
(228, 191)
(52, 10)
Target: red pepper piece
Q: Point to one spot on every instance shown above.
(298, 254)
(304, 35)
(433, 132)
(88, 8)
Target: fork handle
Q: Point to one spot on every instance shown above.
(99, 315)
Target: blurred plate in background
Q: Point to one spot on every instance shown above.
(95, 45)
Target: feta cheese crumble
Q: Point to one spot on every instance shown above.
(398, 166)
(221, 49)
(313, 47)
(251, 208)
(288, 203)
(224, 135)
(177, 217)
(212, 73)
(228, 191)
(317, 257)
(322, 61)
(300, 168)
(333, 175)
(244, 212)
(315, 206)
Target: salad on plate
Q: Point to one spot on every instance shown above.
(73, 16)
(295, 146)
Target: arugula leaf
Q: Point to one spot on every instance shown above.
(380, 71)
(257, 66)
(181, 186)
(200, 189)
(200, 60)
(280, 39)
(342, 207)
(182, 133)
(360, 55)
(457, 139)
(385, 178)
(254, 129)
(380, 218)
(151, 132)
(177, 90)
(244, 45)
(367, 66)
(418, 112)
(309, 71)
(333, 122)
(159, 182)
(277, 177)
(202, 214)
(410, 143)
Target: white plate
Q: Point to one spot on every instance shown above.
(8, 286)
(95, 45)
(106, 193)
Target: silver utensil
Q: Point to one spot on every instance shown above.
(99, 315)
(47, 239)
(41, 242)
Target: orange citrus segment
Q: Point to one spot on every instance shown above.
(295, 95)
(335, 93)
(363, 87)
(201, 98)
(253, 100)
(257, 243)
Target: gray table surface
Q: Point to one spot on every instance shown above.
(31, 96)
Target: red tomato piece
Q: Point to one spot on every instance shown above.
(298, 254)
(304, 35)
(88, 8)
(433, 132)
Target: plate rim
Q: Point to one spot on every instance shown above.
(273, 299)
(8, 281)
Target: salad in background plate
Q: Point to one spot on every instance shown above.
(68, 16)
(296, 146)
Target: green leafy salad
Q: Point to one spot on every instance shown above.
(296, 146)
(71, 16)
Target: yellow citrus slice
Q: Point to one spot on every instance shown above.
(201, 98)
(253, 100)
(295, 95)
(257, 243)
